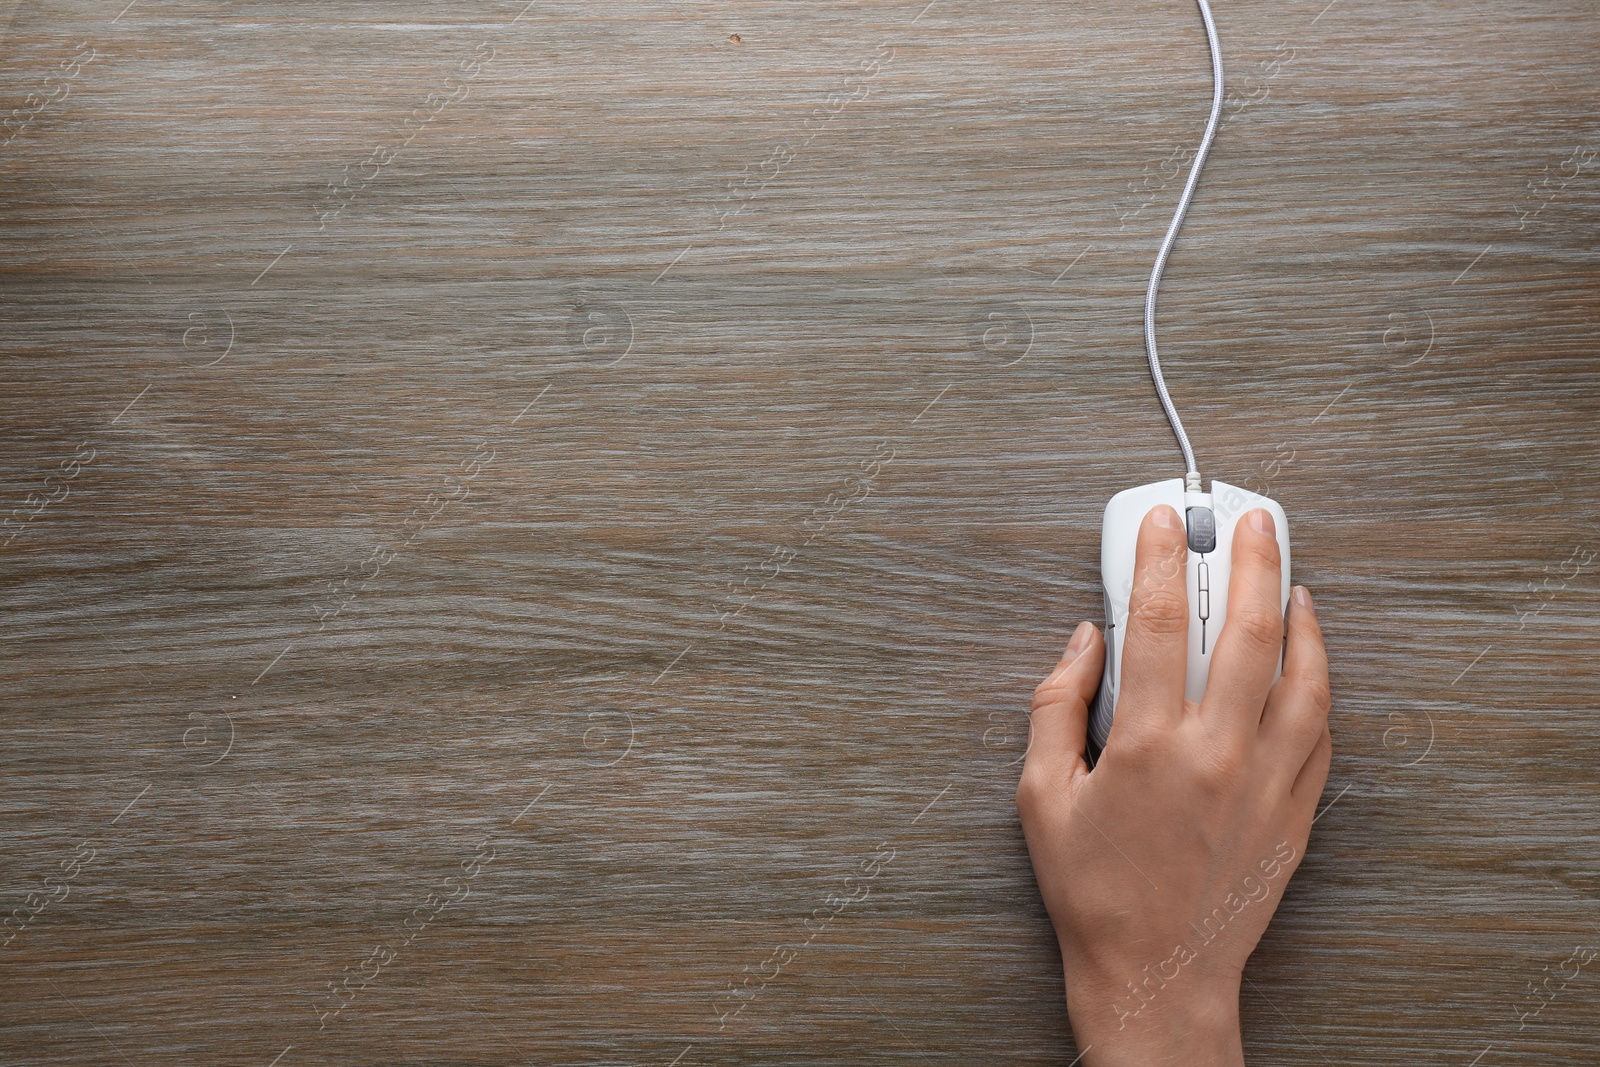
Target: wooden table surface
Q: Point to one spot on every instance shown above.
(532, 528)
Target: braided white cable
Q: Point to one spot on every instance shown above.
(1192, 471)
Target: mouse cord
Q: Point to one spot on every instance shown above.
(1192, 476)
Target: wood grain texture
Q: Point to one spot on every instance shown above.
(560, 455)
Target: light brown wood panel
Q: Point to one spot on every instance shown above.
(519, 502)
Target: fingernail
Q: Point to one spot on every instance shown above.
(1261, 521)
(1302, 596)
(1167, 518)
(1080, 639)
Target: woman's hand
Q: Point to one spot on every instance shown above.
(1161, 868)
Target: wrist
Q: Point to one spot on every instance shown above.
(1192, 1020)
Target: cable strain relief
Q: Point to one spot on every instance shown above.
(1191, 482)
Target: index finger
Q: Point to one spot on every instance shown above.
(1156, 645)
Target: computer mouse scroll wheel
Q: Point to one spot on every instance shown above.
(1202, 530)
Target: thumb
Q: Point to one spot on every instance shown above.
(1059, 722)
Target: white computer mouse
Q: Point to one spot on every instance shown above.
(1210, 519)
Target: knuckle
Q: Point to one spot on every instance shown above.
(1306, 734)
(1170, 561)
(1260, 552)
(1046, 694)
(1137, 747)
(1162, 610)
(1311, 685)
(1316, 690)
(1257, 625)
(1031, 790)
(1216, 769)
